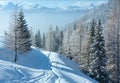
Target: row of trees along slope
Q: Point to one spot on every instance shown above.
(113, 40)
(77, 43)
(70, 43)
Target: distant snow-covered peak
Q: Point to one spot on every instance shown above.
(9, 5)
(28, 5)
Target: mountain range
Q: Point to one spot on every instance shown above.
(37, 7)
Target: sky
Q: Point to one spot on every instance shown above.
(42, 20)
(56, 3)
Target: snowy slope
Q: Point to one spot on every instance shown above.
(39, 67)
(66, 70)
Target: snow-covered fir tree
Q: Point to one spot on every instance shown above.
(66, 43)
(98, 66)
(32, 35)
(90, 50)
(76, 40)
(38, 41)
(86, 56)
(60, 42)
(23, 34)
(50, 43)
(57, 32)
(43, 41)
(11, 35)
(58, 39)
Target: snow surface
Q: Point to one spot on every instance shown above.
(39, 66)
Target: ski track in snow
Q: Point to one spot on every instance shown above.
(65, 73)
(25, 74)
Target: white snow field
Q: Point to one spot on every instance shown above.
(39, 66)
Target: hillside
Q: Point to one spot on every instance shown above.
(36, 67)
